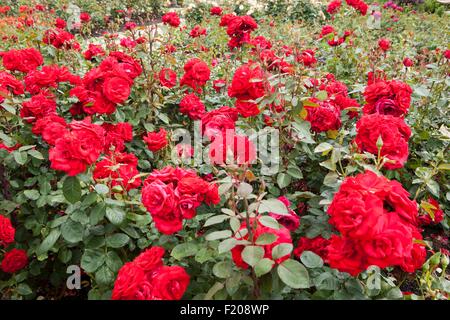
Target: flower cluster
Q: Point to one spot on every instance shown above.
(15, 259)
(107, 85)
(24, 60)
(239, 29)
(196, 74)
(377, 223)
(147, 278)
(171, 18)
(173, 194)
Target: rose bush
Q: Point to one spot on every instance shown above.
(217, 158)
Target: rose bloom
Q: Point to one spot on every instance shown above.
(116, 135)
(318, 245)
(394, 133)
(120, 168)
(60, 23)
(24, 60)
(387, 97)
(196, 74)
(40, 105)
(326, 116)
(216, 11)
(334, 6)
(384, 44)
(407, 62)
(85, 17)
(170, 283)
(216, 122)
(167, 77)
(378, 225)
(447, 54)
(171, 18)
(14, 260)
(7, 231)
(156, 140)
(9, 84)
(282, 235)
(197, 31)
(327, 29)
(93, 51)
(192, 106)
(78, 148)
(232, 149)
(51, 127)
(307, 58)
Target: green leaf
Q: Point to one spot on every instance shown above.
(20, 157)
(23, 289)
(91, 260)
(323, 147)
(117, 240)
(222, 269)
(293, 274)
(104, 276)
(244, 190)
(216, 235)
(263, 266)
(32, 194)
(281, 250)
(295, 172)
(72, 189)
(101, 188)
(274, 206)
(269, 222)
(97, 213)
(72, 231)
(36, 154)
(311, 260)
(48, 242)
(322, 95)
(113, 261)
(183, 250)
(283, 180)
(227, 245)
(216, 219)
(266, 238)
(252, 254)
(115, 215)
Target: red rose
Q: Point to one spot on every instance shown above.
(167, 77)
(24, 60)
(196, 74)
(407, 62)
(9, 84)
(14, 260)
(326, 116)
(384, 44)
(117, 89)
(387, 97)
(40, 105)
(334, 6)
(85, 17)
(127, 283)
(171, 18)
(240, 148)
(187, 205)
(197, 31)
(93, 51)
(447, 54)
(170, 283)
(226, 18)
(116, 135)
(80, 146)
(60, 23)
(60, 39)
(47, 77)
(378, 225)
(156, 140)
(192, 106)
(394, 133)
(327, 29)
(216, 11)
(121, 168)
(218, 121)
(150, 259)
(247, 83)
(307, 58)
(51, 128)
(7, 231)
(318, 245)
